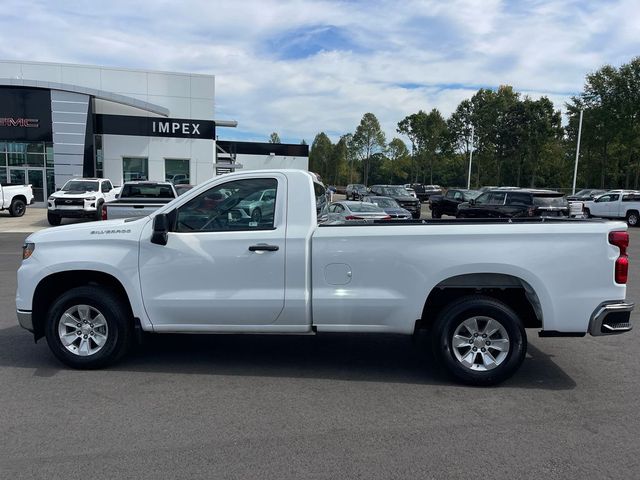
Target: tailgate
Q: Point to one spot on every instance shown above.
(129, 210)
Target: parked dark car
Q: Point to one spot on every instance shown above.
(500, 203)
(447, 204)
(424, 192)
(585, 195)
(355, 191)
(390, 207)
(400, 195)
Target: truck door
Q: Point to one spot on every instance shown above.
(220, 266)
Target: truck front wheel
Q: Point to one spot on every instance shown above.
(479, 340)
(17, 208)
(88, 327)
(632, 218)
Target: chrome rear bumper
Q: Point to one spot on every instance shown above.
(611, 319)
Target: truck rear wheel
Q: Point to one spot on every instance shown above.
(633, 218)
(436, 213)
(88, 327)
(53, 219)
(479, 340)
(17, 208)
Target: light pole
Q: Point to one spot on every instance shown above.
(471, 159)
(575, 168)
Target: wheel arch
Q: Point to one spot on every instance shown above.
(54, 285)
(19, 197)
(510, 289)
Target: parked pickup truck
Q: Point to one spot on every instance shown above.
(139, 199)
(15, 198)
(80, 197)
(210, 267)
(619, 204)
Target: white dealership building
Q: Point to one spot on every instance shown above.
(59, 121)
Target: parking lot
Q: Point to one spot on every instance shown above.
(326, 406)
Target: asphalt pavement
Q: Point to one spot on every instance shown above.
(326, 406)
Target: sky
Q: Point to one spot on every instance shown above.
(299, 67)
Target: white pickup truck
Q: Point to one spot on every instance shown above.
(80, 197)
(15, 198)
(139, 199)
(618, 204)
(203, 264)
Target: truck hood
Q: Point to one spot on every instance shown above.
(128, 229)
(61, 194)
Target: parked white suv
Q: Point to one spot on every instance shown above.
(80, 197)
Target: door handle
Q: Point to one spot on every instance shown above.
(263, 247)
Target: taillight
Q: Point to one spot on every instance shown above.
(621, 270)
(531, 211)
(104, 212)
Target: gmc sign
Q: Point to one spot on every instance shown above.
(19, 122)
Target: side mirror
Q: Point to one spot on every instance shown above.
(58, 189)
(472, 201)
(160, 230)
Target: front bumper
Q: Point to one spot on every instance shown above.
(72, 213)
(611, 319)
(25, 319)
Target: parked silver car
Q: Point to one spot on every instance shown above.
(390, 207)
(355, 211)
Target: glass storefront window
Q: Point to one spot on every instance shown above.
(176, 171)
(99, 156)
(3, 175)
(35, 160)
(49, 155)
(35, 148)
(135, 168)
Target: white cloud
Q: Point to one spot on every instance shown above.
(443, 50)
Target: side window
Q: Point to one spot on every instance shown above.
(450, 194)
(457, 196)
(321, 200)
(614, 198)
(106, 186)
(497, 198)
(604, 198)
(239, 205)
(483, 199)
(516, 198)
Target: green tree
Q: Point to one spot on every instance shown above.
(367, 140)
(274, 138)
(320, 155)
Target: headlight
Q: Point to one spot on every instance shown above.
(90, 199)
(51, 199)
(27, 250)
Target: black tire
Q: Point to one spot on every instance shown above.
(586, 213)
(256, 215)
(435, 213)
(117, 319)
(467, 308)
(633, 218)
(415, 216)
(54, 219)
(98, 215)
(17, 208)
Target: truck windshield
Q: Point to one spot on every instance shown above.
(547, 201)
(395, 191)
(146, 190)
(80, 186)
